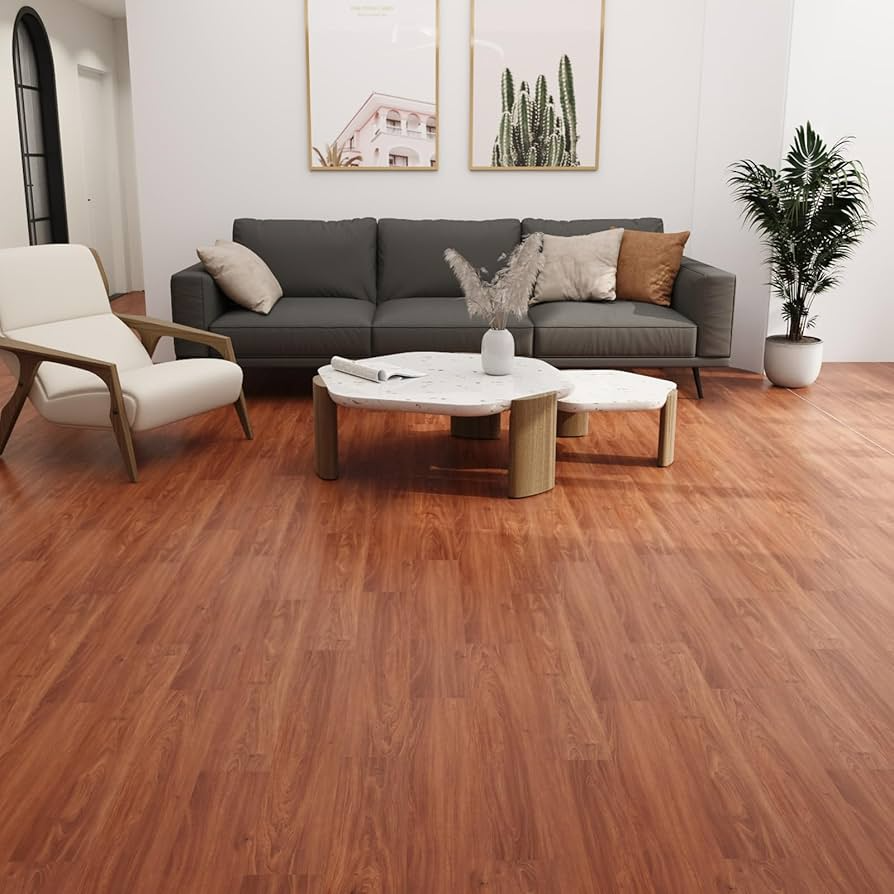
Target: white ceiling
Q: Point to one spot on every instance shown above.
(113, 8)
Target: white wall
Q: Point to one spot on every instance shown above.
(842, 80)
(79, 37)
(219, 114)
(133, 259)
(742, 110)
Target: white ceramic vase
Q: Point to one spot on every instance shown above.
(792, 364)
(497, 352)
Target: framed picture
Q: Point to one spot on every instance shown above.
(536, 85)
(372, 85)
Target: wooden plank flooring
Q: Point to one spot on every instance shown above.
(234, 677)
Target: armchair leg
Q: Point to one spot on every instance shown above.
(125, 444)
(121, 427)
(242, 412)
(697, 375)
(10, 413)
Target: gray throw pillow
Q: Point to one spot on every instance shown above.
(579, 268)
(242, 276)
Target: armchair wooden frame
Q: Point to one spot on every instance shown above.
(149, 331)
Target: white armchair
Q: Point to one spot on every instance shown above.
(83, 365)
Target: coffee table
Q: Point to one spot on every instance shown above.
(454, 385)
(606, 390)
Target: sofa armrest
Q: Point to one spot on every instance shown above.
(196, 301)
(707, 295)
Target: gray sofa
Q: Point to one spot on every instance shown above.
(364, 287)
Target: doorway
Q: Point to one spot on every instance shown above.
(100, 154)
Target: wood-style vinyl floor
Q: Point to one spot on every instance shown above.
(234, 677)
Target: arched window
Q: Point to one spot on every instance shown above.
(35, 85)
(431, 128)
(403, 157)
(392, 122)
(413, 124)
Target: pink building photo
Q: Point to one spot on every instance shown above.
(392, 131)
(372, 85)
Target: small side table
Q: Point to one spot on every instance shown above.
(604, 390)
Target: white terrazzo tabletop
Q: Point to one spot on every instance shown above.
(453, 385)
(609, 389)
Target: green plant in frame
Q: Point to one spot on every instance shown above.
(531, 133)
(337, 156)
(811, 215)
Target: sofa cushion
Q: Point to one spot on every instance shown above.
(436, 324)
(301, 327)
(613, 329)
(316, 258)
(411, 254)
(582, 227)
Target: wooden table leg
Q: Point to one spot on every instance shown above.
(668, 430)
(572, 425)
(325, 432)
(532, 445)
(482, 428)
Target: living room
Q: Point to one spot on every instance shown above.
(446, 446)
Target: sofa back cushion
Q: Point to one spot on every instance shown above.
(584, 227)
(411, 253)
(315, 258)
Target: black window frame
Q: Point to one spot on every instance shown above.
(57, 214)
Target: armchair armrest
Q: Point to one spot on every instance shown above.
(151, 330)
(197, 301)
(706, 295)
(31, 356)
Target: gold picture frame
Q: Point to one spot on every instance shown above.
(599, 8)
(374, 100)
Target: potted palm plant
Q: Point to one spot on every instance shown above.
(811, 215)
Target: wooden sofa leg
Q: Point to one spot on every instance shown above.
(10, 413)
(242, 412)
(697, 375)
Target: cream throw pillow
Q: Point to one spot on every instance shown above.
(579, 268)
(242, 276)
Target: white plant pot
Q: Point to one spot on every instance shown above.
(792, 364)
(497, 352)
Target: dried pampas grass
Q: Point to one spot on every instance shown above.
(507, 294)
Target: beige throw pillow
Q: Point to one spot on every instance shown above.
(579, 268)
(242, 276)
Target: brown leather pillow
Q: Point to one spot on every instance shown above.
(649, 264)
